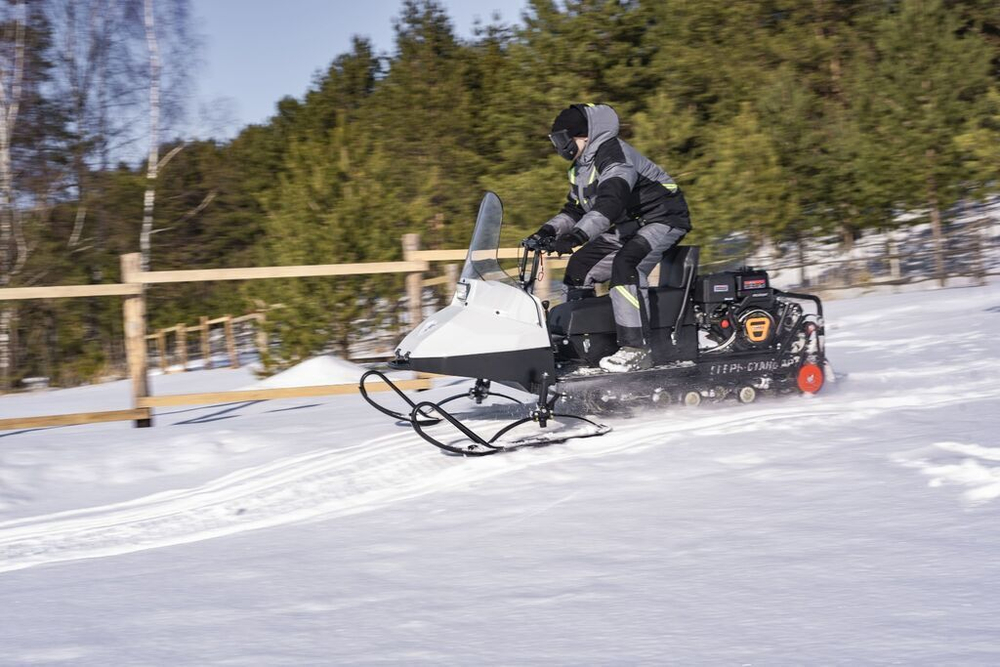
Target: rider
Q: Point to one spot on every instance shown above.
(625, 211)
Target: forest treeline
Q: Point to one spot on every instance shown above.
(782, 119)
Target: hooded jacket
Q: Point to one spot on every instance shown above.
(612, 183)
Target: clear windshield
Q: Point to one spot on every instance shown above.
(481, 263)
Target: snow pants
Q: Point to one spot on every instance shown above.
(627, 263)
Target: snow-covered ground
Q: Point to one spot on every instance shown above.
(859, 526)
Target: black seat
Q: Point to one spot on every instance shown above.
(666, 300)
(678, 266)
(583, 316)
(677, 263)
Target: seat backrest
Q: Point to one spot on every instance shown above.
(678, 262)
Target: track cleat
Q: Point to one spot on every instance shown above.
(627, 359)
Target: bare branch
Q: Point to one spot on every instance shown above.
(81, 216)
(169, 156)
(201, 207)
(37, 278)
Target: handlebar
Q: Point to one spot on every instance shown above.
(533, 246)
(539, 244)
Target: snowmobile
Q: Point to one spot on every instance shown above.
(715, 336)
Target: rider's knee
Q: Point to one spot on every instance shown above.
(576, 271)
(624, 268)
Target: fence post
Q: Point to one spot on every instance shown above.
(161, 348)
(895, 270)
(451, 275)
(206, 343)
(978, 261)
(414, 281)
(134, 312)
(182, 348)
(234, 359)
(261, 335)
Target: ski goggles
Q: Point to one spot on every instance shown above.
(564, 143)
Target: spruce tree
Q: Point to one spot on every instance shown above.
(926, 82)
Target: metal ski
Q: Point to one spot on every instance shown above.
(478, 446)
(541, 414)
(421, 416)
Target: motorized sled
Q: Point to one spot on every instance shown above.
(714, 336)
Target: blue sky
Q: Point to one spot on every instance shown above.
(257, 51)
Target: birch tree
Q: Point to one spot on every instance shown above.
(153, 158)
(13, 249)
(176, 12)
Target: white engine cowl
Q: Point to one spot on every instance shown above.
(494, 331)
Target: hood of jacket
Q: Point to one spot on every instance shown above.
(602, 125)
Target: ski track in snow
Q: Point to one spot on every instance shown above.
(398, 466)
(319, 484)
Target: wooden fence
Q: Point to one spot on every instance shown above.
(133, 288)
(176, 341)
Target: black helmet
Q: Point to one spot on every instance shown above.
(571, 122)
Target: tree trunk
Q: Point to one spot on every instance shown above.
(846, 236)
(978, 261)
(936, 225)
(149, 200)
(803, 275)
(9, 104)
(938, 243)
(6, 334)
(13, 251)
(892, 253)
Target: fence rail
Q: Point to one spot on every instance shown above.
(275, 393)
(74, 419)
(265, 272)
(68, 291)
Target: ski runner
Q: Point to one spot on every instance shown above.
(625, 211)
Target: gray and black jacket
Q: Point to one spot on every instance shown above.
(612, 185)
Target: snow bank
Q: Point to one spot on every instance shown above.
(325, 369)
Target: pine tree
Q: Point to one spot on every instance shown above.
(926, 83)
(741, 187)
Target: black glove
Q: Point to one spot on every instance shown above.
(540, 240)
(566, 242)
(542, 237)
